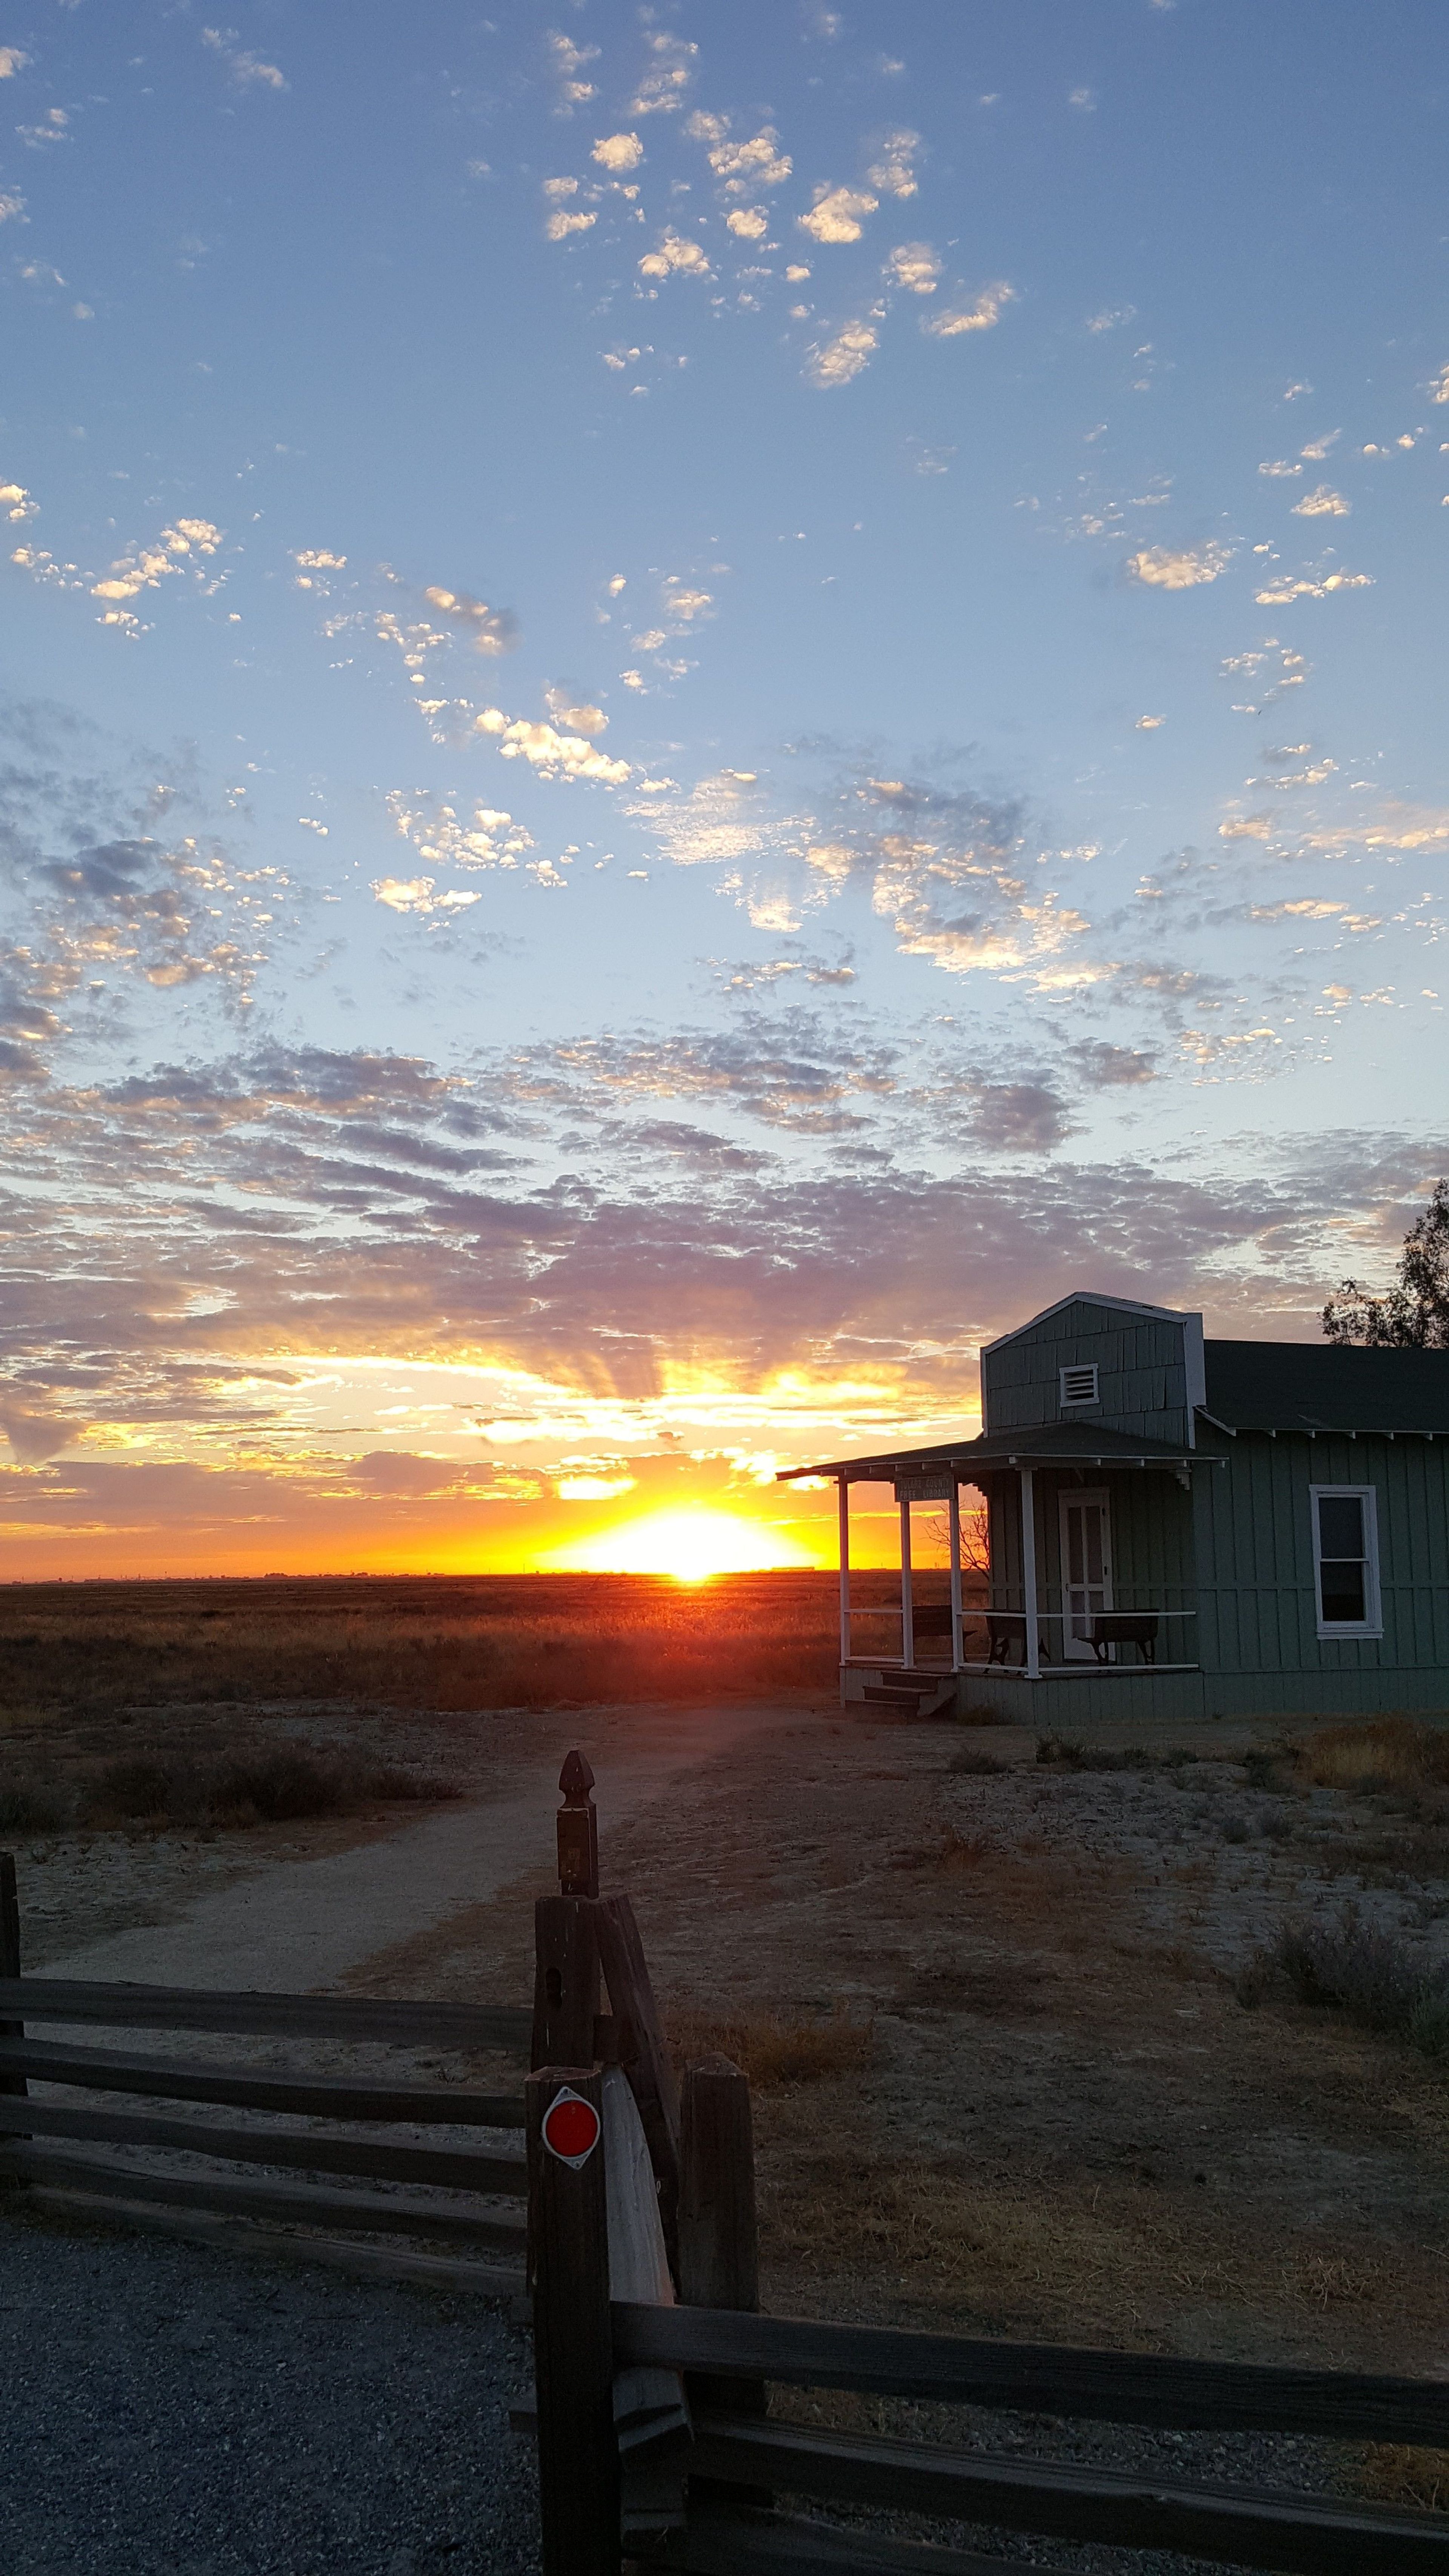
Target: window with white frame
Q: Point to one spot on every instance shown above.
(1346, 1560)
(1079, 1386)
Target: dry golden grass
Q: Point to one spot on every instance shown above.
(772, 2051)
(1389, 1753)
(1395, 2473)
(440, 1643)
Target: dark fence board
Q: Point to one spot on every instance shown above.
(723, 2542)
(1241, 2527)
(297, 2204)
(306, 2151)
(359, 2017)
(341, 2254)
(1107, 2387)
(325, 2097)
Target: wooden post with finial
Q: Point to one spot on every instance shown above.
(566, 1938)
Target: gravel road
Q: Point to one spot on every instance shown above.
(172, 2412)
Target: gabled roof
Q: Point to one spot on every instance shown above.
(1041, 1444)
(1090, 1297)
(1321, 1386)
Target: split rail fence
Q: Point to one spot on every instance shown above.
(653, 2366)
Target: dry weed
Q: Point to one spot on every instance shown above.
(1397, 2473)
(1389, 1753)
(770, 2050)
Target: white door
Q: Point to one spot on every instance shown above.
(1086, 1569)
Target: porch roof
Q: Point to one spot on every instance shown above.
(1064, 1444)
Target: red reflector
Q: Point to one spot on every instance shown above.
(570, 2128)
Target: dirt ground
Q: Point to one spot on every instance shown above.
(1037, 2105)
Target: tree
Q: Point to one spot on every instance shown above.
(1414, 1313)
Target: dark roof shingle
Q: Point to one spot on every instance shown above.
(1321, 1386)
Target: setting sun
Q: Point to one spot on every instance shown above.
(689, 1545)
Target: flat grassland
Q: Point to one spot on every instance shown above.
(1143, 2045)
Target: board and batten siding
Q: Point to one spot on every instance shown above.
(1257, 1605)
(1141, 1364)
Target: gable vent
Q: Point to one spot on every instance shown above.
(1079, 1385)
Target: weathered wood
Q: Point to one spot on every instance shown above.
(1240, 2527)
(501, 2282)
(649, 2405)
(253, 2088)
(297, 2204)
(578, 2457)
(566, 1981)
(307, 2151)
(1103, 2387)
(719, 2259)
(651, 2077)
(578, 1830)
(722, 2540)
(406, 2024)
(10, 2082)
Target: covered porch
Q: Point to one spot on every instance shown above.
(1087, 1590)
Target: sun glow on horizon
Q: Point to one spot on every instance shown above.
(690, 1545)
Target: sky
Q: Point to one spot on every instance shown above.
(695, 704)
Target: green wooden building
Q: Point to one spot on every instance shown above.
(1178, 1528)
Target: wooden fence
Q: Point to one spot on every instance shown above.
(653, 2366)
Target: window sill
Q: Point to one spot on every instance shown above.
(1328, 1636)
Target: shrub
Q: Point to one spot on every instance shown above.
(1376, 1977)
(278, 1787)
(1388, 1753)
(970, 1758)
(34, 1807)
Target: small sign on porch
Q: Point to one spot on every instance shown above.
(925, 1489)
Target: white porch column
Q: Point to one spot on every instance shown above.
(1028, 1573)
(843, 1484)
(908, 1629)
(953, 1509)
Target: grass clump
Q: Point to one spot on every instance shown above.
(1401, 2473)
(282, 1785)
(972, 1761)
(771, 2050)
(1388, 1753)
(1376, 1977)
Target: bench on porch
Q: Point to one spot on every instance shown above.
(1109, 1628)
(1006, 1638)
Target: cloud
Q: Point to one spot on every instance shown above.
(1318, 448)
(12, 206)
(416, 894)
(837, 214)
(491, 630)
(146, 567)
(566, 61)
(443, 838)
(893, 171)
(675, 255)
(34, 1437)
(618, 152)
(747, 167)
(914, 266)
(316, 559)
(983, 315)
(666, 78)
(553, 755)
(750, 223)
(16, 503)
(1284, 587)
(1439, 386)
(1280, 466)
(1019, 1117)
(1324, 503)
(12, 60)
(247, 70)
(1185, 568)
(1111, 318)
(560, 224)
(839, 361)
(1111, 1068)
(582, 718)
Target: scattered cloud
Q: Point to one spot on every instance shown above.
(1318, 448)
(750, 223)
(618, 152)
(838, 214)
(490, 630)
(1280, 466)
(551, 754)
(1324, 503)
(247, 70)
(668, 72)
(16, 503)
(12, 206)
(746, 167)
(146, 567)
(983, 315)
(1112, 317)
(1183, 568)
(915, 267)
(1284, 587)
(839, 361)
(893, 171)
(579, 718)
(567, 62)
(675, 255)
(12, 60)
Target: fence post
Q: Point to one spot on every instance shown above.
(566, 1939)
(578, 2453)
(718, 2238)
(10, 1959)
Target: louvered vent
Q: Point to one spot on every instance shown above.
(1079, 1385)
